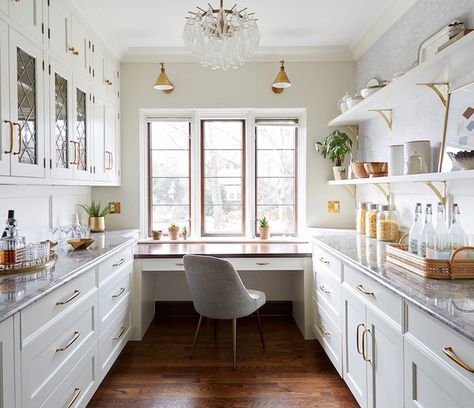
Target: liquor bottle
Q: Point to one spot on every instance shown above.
(11, 216)
(427, 232)
(457, 236)
(441, 241)
(415, 230)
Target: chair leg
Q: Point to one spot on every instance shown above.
(260, 329)
(195, 337)
(234, 342)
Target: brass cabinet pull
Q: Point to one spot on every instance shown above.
(70, 343)
(111, 161)
(361, 288)
(452, 355)
(9, 151)
(323, 330)
(75, 151)
(119, 293)
(73, 50)
(108, 82)
(19, 138)
(364, 343)
(324, 290)
(263, 263)
(75, 295)
(358, 337)
(118, 263)
(78, 145)
(122, 331)
(77, 391)
(322, 260)
(179, 264)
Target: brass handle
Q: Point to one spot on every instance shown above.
(364, 354)
(77, 391)
(120, 335)
(361, 288)
(323, 330)
(263, 263)
(75, 295)
(11, 136)
(111, 160)
(179, 264)
(119, 293)
(70, 343)
(108, 82)
(322, 260)
(452, 355)
(73, 50)
(324, 290)
(19, 138)
(78, 145)
(358, 337)
(118, 263)
(75, 151)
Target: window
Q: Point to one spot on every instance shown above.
(169, 160)
(275, 170)
(223, 177)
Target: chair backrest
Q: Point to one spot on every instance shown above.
(216, 287)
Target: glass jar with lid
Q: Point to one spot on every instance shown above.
(12, 246)
(360, 217)
(371, 221)
(388, 224)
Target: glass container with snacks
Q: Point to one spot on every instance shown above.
(371, 221)
(388, 225)
(360, 217)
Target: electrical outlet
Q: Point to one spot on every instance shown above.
(114, 207)
(334, 207)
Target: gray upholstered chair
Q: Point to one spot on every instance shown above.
(218, 293)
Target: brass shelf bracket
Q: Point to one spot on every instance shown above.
(352, 189)
(442, 195)
(386, 192)
(386, 114)
(435, 87)
(354, 131)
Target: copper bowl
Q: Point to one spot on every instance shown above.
(359, 170)
(376, 169)
(82, 243)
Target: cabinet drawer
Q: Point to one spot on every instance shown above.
(323, 260)
(56, 304)
(114, 293)
(442, 341)
(79, 386)
(51, 356)
(114, 339)
(328, 334)
(375, 294)
(327, 290)
(114, 263)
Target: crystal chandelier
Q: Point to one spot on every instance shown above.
(221, 38)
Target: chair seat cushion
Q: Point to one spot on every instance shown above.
(258, 296)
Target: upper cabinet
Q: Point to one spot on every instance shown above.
(81, 47)
(28, 17)
(59, 30)
(6, 131)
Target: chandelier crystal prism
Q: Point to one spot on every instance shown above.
(221, 38)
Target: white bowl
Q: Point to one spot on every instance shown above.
(366, 92)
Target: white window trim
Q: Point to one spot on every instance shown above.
(196, 115)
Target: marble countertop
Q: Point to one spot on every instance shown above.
(20, 290)
(450, 301)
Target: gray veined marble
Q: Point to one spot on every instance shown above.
(450, 301)
(20, 290)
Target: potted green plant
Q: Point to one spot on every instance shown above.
(264, 228)
(184, 232)
(335, 147)
(96, 215)
(173, 232)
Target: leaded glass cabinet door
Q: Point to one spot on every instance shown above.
(64, 150)
(82, 129)
(27, 107)
(6, 148)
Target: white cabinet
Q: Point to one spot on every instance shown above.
(4, 6)
(99, 68)
(59, 29)
(111, 143)
(6, 131)
(28, 16)
(100, 173)
(80, 47)
(7, 364)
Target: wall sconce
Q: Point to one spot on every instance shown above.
(281, 81)
(163, 83)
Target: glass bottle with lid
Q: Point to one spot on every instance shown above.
(360, 217)
(388, 226)
(371, 221)
(11, 245)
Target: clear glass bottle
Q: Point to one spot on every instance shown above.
(457, 236)
(371, 221)
(415, 230)
(12, 246)
(360, 217)
(388, 226)
(427, 232)
(441, 240)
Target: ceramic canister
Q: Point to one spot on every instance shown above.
(395, 160)
(419, 148)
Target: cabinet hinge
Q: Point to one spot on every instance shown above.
(49, 3)
(89, 44)
(118, 74)
(90, 70)
(93, 99)
(49, 69)
(93, 47)
(50, 163)
(44, 162)
(49, 33)
(42, 28)
(118, 94)
(93, 72)
(118, 115)
(90, 97)
(94, 169)
(43, 65)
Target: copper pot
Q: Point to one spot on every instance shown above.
(97, 224)
(376, 169)
(264, 232)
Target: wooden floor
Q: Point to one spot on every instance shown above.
(157, 373)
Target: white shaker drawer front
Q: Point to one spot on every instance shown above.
(375, 294)
(449, 346)
(327, 290)
(50, 356)
(323, 260)
(114, 263)
(168, 264)
(56, 304)
(79, 386)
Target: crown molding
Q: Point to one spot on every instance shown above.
(263, 54)
(380, 24)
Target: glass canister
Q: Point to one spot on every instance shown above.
(388, 224)
(12, 246)
(360, 217)
(371, 221)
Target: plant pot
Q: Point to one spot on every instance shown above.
(156, 235)
(173, 233)
(340, 172)
(185, 235)
(264, 232)
(97, 224)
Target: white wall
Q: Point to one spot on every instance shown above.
(316, 87)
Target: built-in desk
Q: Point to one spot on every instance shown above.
(282, 270)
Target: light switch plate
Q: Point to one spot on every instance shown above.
(334, 207)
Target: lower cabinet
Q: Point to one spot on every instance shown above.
(7, 364)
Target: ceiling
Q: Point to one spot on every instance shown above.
(141, 24)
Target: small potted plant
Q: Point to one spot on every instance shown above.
(184, 233)
(173, 232)
(335, 147)
(96, 216)
(264, 228)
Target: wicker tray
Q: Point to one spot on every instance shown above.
(454, 268)
(27, 267)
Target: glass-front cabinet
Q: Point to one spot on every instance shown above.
(6, 135)
(82, 130)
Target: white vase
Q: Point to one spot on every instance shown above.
(395, 160)
(340, 172)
